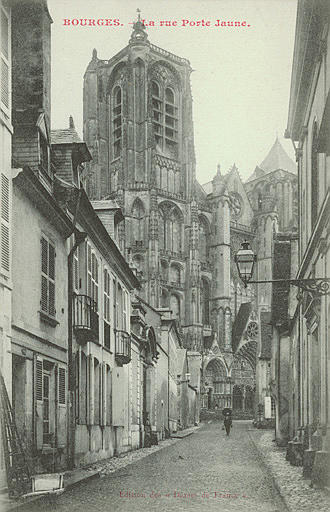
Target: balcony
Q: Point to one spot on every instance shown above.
(85, 319)
(123, 347)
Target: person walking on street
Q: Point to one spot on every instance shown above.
(228, 423)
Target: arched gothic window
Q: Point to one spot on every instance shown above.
(162, 230)
(164, 299)
(203, 245)
(175, 274)
(164, 270)
(138, 220)
(237, 398)
(175, 235)
(204, 302)
(175, 306)
(314, 177)
(164, 118)
(170, 229)
(117, 121)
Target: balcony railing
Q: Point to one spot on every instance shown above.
(86, 318)
(123, 347)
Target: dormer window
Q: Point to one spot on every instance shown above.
(117, 122)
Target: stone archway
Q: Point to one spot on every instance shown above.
(218, 383)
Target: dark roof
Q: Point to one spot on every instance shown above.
(277, 158)
(266, 335)
(64, 136)
(240, 324)
(281, 270)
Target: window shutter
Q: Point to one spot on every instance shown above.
(38, 393)
(61, 408)
(103, 396)
(4, 35)
(48, 277)
(4, 233)
(4, 83)
(44, 294)
(61, 386)
(44, 256)
(51, 299)
(51, 264)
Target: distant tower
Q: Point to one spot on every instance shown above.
(139, 129)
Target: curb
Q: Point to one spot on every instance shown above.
(274, 480)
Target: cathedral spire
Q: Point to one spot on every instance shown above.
(139, 31)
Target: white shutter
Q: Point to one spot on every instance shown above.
(5, 62)
(61, 406)
(5, 191)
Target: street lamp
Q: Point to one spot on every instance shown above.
(245, 260)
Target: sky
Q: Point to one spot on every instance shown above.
(241, 75)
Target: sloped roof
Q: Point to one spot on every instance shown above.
(200, 192)
(207, 187)
(266, 335)
(277, 158)
(240, 324)
(64, 136)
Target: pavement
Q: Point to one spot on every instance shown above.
(295, 491)
(80, 475)
(206, 471)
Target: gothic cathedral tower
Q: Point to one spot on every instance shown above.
(138, 127)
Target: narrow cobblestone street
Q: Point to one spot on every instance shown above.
(205, 471)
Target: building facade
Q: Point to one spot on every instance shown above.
(308, 127)
(5, 208)
(180, 235)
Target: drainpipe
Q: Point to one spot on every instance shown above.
(79, 238)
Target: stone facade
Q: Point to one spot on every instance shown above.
(179, 235)
(308, 127)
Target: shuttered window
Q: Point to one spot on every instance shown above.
(106, 306)
(4, 223)
(4, 60)
(39, 393)
(61, 386)
(47, 277)
(92, 274)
